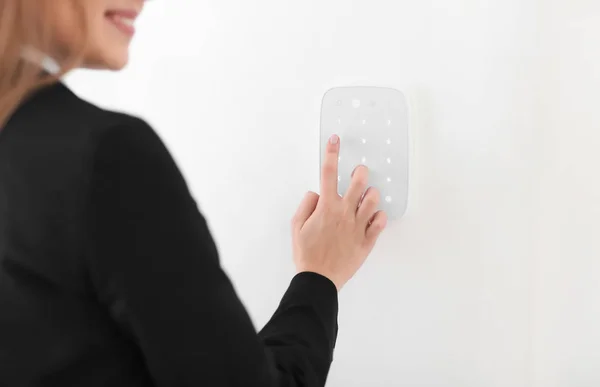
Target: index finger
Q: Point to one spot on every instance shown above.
(329, 172)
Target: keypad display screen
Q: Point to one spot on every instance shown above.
(372, 123)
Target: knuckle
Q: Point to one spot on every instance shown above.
(361, 183)
(339, 215)
(337, 212)
(360, 179)
(329, 208)
(373, 197)
(371, 202)
(361, 175)
(348, 210)
(329, 168)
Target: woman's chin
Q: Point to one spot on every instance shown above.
(108, 62)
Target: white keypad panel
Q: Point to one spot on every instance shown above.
(372, 123)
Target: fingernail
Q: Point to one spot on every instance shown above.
(334, 139)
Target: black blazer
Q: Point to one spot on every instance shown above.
(109, 275)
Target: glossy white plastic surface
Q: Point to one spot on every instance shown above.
(372, 123)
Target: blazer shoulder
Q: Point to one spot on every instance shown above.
(97, 124)
(67, 115)
(94, 117)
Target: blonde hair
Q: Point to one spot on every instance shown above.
(31, 24)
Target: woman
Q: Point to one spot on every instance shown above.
(108, 273)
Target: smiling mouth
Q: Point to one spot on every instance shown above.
(123, 21)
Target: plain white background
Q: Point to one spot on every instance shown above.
(492, 278)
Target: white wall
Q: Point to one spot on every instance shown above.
(489, 279)
(567, 259)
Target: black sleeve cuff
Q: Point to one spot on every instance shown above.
(315, 288)
(320, 292)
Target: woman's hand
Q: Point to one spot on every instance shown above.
(333, 235)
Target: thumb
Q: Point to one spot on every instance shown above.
(305, 210)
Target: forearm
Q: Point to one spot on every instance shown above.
(302, 332)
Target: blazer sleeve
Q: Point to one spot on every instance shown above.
(154, 265)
